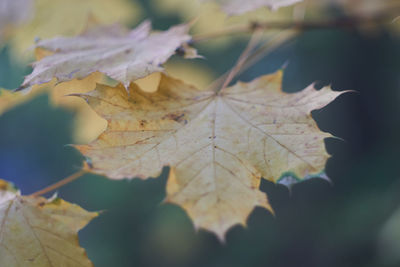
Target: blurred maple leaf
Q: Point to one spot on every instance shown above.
(50, 18)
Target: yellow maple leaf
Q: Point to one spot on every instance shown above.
(52, 18)
(218, 145)
(35, 231)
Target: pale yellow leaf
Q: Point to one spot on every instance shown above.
(188, 72)
(191, 73)
(9, 100)
(12, 15)
(35, 231)
(52, 18)
(149, 83)
(218, 145)
(123, 56)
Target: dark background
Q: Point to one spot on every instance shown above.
(317, 224)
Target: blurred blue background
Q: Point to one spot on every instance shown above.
(316, 224)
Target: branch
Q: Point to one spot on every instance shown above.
(339, 23)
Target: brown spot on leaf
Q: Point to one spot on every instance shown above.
(142, 123)
(178, 117)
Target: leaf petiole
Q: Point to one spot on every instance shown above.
(61, 183)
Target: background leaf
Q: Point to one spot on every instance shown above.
(35, 231)
(51, 18)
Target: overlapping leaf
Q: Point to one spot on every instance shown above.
(237, 7)
(218, 145)
(87, 124)
(123, 56)
(35, 231)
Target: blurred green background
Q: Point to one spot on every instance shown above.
(316, 224)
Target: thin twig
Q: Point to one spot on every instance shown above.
(271, 45)
(59, 184)
(236, 29)
(254, 41)
(258, 55)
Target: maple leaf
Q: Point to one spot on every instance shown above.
(35, 231)
(123, 56)
(238, 7)
(218, 145)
